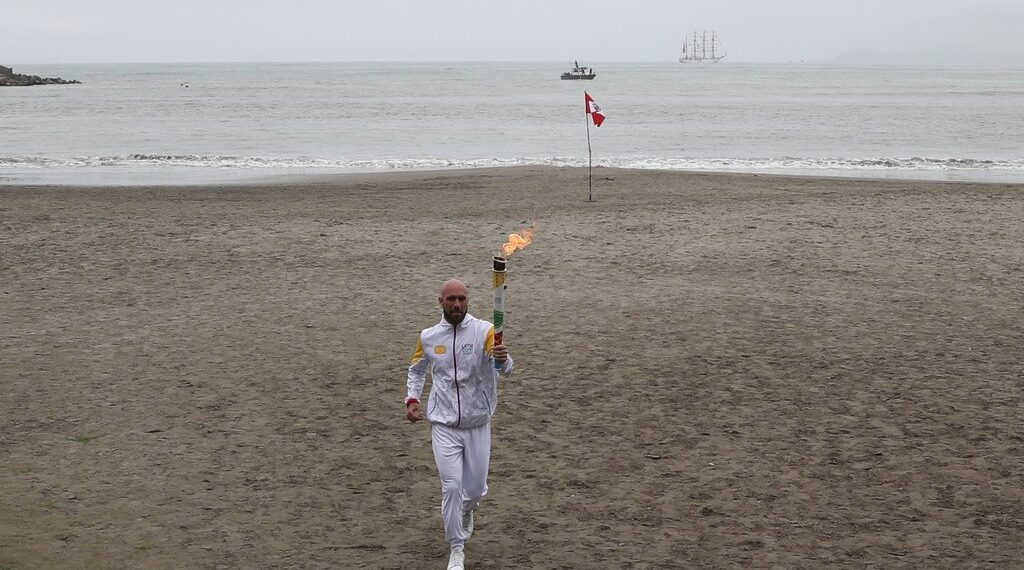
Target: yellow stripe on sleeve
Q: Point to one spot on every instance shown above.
(489, 343)
(418, 355)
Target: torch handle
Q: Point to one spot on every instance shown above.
(497, 340)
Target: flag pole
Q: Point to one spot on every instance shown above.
(590, 156)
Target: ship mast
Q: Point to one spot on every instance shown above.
(698, 48)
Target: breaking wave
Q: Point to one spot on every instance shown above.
(829, 164)
(144, 162)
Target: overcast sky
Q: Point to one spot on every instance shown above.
(79, 31)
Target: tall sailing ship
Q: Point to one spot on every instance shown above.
(700, 47)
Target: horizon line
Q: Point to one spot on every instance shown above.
(835, 60)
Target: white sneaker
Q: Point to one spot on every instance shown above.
(467, 523)
(457, 559)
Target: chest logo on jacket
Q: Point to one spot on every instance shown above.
(440, 349)
(467, 348)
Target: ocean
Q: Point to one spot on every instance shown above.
(203, 123)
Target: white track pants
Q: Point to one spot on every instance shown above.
(462, 457)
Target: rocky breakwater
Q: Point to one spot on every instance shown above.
(10, 79)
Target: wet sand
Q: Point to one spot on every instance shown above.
(715, 371)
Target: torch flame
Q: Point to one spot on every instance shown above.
(517, 241)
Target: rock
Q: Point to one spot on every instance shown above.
(10, 79)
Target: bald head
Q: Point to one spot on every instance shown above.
(454, 300)
(453, 286)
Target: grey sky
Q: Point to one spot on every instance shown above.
(73, 31)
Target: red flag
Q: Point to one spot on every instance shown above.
(593, 109)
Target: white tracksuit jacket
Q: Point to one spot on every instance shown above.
(464, 390)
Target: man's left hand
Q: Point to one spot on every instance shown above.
(500, 352)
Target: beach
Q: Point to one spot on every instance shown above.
(714, 371)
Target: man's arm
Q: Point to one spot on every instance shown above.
(414, 383)
(500, 354)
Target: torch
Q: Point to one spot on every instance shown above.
(498, 281)
(500, 262)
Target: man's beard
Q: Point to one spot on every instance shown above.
(453, 319)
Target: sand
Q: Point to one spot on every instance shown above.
(715, 371)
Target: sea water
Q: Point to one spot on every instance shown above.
(192, 123)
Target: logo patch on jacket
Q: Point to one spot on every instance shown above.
(467, 348)
(440, 349)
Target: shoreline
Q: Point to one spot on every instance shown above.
(200, 179)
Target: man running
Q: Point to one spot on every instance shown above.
(464, 365)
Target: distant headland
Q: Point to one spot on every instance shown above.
(10, 79)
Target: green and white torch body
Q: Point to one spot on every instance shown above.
(498, 279)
